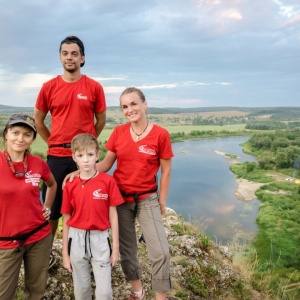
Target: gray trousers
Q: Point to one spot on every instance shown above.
(150, 220)
(90, 247)
(36, 265)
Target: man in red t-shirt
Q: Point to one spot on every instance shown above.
(77, 105)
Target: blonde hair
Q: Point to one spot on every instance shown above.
(132, 89)
(84, 141)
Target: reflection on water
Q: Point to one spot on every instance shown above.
(203, 188)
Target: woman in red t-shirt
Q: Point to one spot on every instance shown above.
(25, 234)
(140, 149)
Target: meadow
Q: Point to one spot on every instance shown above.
(39, 146)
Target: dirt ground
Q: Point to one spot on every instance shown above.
(246, 189)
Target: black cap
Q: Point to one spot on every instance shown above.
(23, 119)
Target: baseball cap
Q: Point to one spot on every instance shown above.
(23, 119)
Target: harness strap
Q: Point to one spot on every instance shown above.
(24, 236)
(136, 198)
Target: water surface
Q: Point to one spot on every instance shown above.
(203, 187)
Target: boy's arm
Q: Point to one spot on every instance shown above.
(66, 257)
(113, 219)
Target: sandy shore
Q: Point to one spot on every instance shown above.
(246, 189)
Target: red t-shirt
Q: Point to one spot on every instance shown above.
(89, 205)
(138, 161)
(20, 205)
(72, 107)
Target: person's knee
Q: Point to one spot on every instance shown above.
(163, 257)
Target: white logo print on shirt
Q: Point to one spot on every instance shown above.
(144, 149)
(79, 96)
(32, 178)
(99, 196)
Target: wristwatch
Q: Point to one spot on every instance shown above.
(48, 210)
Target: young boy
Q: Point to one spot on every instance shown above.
(89, 210)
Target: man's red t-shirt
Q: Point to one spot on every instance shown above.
(72, 107)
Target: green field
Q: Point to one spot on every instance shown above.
(189, 128)
(40, 146)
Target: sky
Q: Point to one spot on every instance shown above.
(181, 53)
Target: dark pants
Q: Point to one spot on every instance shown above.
(36, 265)
(60, 168)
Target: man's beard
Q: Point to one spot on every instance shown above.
(71, 69)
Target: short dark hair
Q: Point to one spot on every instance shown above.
(72, 39)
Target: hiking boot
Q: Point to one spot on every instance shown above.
(52, 260)
(132, 296)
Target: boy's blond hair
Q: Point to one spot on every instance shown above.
(84, 141)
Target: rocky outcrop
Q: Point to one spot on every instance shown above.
(200, 269)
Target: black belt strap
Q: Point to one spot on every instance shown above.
(24, 236)
(67, 145)
(136, 198)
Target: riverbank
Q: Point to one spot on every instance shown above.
(246, 189)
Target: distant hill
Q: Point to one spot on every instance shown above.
(275, 113)
(14, 109)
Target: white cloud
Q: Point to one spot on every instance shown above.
(174, 50)
(232, 14)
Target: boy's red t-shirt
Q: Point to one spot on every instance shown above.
(89, 205)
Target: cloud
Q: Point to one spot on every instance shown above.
(193, 49)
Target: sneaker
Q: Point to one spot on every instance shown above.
(52, 260)
(132, 296)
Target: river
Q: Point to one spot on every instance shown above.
(203, 188)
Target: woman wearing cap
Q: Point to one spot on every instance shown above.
(140, 149)
(25, 234)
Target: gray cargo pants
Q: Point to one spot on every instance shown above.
(150, 220)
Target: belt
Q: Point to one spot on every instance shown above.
(136, 197)
(23, 236)
(67, 145)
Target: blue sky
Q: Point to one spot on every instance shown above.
(181, 53)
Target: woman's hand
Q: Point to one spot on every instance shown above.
(163, 208)
(70, 177)
(46, 213)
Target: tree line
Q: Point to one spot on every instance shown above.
(278, 150)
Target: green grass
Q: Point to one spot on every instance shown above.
(250, 171)
(276, 258)
(189, 128)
